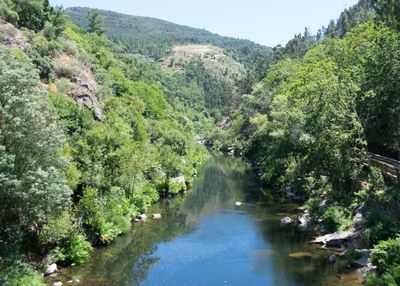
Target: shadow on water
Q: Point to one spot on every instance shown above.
(204, 239)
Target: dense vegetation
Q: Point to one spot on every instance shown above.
(310, 122)
(91, 135)
(155, 37)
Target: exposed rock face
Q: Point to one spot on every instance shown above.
(12, 36)
(83, 94)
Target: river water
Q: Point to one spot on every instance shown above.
(203, 238)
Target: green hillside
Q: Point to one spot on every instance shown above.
(155, 37)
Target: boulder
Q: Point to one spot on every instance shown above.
(336, 239)
(303, 220)
(58, 283)
(286, 220)
(332, 258)
(238, 203)
(51, 269)
(156, 216)
(141, 217)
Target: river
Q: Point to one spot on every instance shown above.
(203, 238)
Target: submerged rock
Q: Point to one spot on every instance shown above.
(332, 258)
(302, 255)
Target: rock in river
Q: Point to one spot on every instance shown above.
(286, 220)
(51, 269)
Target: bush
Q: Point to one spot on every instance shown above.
(45, 66)
(64, 85)
(47, 48)
(68, 70)
(76, 250)
(386, 254)
(17, 273)
(390, 278)
(105, 216)
(336, 218)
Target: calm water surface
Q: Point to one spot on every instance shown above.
(204, 239)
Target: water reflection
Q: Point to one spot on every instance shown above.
(204, 239)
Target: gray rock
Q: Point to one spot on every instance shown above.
(286, 220)
(336, 239)
(303, 220)
(332, 258)
(141, 217)
(58, 283)
(51, 269)
(156, 216)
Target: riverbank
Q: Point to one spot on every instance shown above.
(204, 230)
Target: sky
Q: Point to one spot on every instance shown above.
(268, 22)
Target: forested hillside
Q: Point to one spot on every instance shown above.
(92, 133)
(90, 136)
(312, 120)
(155, 37)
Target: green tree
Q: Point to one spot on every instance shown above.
(31, 182)
(388, 11)
(32, 14)
(95, 22)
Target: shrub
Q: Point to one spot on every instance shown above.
(386, 254)
(76, 250)
(13, 273)
(64, 85)
(44, 65)
(336, 218)
(390, 278)
(68, 70)
(47, 48)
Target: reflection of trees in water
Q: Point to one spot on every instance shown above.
(129, 259)
(220, 181)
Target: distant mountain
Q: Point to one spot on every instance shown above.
(155, 37)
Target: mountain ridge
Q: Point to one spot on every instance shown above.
(155, 37)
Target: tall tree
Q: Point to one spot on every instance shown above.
(31, 184)
(388, 11)
(96, 24)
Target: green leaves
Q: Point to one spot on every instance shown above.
(31, 181)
